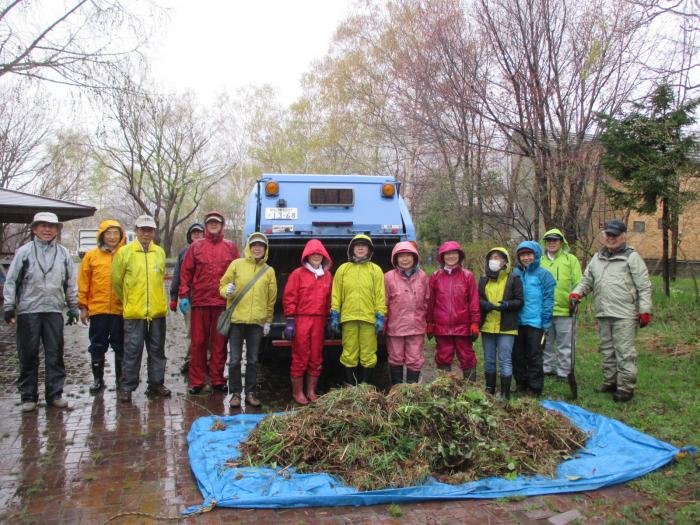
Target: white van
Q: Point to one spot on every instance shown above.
(87, 240)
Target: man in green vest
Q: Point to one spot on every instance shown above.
(566, 269)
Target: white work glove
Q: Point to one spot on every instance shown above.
(266, 329)
(230, 289)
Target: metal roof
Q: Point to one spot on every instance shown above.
(20, 207)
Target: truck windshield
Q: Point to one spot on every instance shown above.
(331, 197)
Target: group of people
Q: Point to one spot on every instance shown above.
(522, 309)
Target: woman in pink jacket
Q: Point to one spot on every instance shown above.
(453, 311)
(407, 304)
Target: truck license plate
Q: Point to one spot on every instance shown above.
(281, 213)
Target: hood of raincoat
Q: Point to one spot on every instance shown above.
(533, 247)
(104, 225)
(316, 246)
(404, 247)
(564, 243)
(361, 237)
(255, 237)
(193, 226)
(450, 246)
(507, 267)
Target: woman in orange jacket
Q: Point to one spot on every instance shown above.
(99, 305)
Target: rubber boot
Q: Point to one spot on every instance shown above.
(98, 374)
(351, 375)
(118, 358)
(469, 375)
(412, 376)
(367, 375)
(311, 382)
(396, 373)
(444, 368)
(491, 382)
(505, 387)
(298, 390)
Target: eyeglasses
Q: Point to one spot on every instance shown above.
(611, 235)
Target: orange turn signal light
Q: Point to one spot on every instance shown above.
(388, 190)
(272, 188)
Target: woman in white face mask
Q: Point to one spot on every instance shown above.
(500, 299)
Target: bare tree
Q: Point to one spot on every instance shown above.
(24, 127)
(164, 154)
(70, 42)
(556, 65)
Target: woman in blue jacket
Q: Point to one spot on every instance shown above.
(535, 317)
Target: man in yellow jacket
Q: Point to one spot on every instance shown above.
(252, 315)
(99, 304)
(138, 273)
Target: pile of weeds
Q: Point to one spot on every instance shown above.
(445, 429)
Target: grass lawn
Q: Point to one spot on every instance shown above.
(666, 403)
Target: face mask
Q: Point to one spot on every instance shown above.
(494, 265)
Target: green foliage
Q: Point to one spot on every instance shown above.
(447, 429)
(646, 151)
(666, 403)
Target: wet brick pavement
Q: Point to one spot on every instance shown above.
(103, 461)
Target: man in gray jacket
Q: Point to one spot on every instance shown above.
(618, 278)
(40, 281)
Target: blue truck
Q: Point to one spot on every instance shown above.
(291, 209)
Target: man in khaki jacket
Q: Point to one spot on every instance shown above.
(618, 278)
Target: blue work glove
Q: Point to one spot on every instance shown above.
(335, 322)
(184, 305)
(289, 329)
(503, 306)
(378, 323)
(73, 316)
(488, 306)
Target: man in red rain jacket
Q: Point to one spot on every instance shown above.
(202, 268)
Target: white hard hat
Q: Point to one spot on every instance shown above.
(45, 216)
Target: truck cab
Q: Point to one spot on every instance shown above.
(293, 208)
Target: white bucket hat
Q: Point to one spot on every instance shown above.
(45, 216)
(145, 221)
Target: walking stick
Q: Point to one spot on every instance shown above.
(571, 377)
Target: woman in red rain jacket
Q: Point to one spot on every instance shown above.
(306, 302)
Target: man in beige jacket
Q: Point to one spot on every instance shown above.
(618, 278)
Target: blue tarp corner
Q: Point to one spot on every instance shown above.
(614, 453)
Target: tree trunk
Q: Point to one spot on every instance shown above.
(664, 258)
(675, 238)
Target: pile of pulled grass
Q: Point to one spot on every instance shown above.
(445, 429)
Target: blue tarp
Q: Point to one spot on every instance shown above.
(614, 453)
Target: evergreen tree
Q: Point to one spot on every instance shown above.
(646, 153)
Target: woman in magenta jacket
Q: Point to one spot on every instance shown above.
(407, 305)
(453, 311)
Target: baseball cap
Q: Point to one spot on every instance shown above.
(145, 221)
(615, 227)
(553, 237)
(214, 216)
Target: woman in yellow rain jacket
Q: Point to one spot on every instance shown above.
(252, 315)
(99, 304)
(358, 304)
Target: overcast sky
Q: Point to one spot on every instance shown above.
(214, 45)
